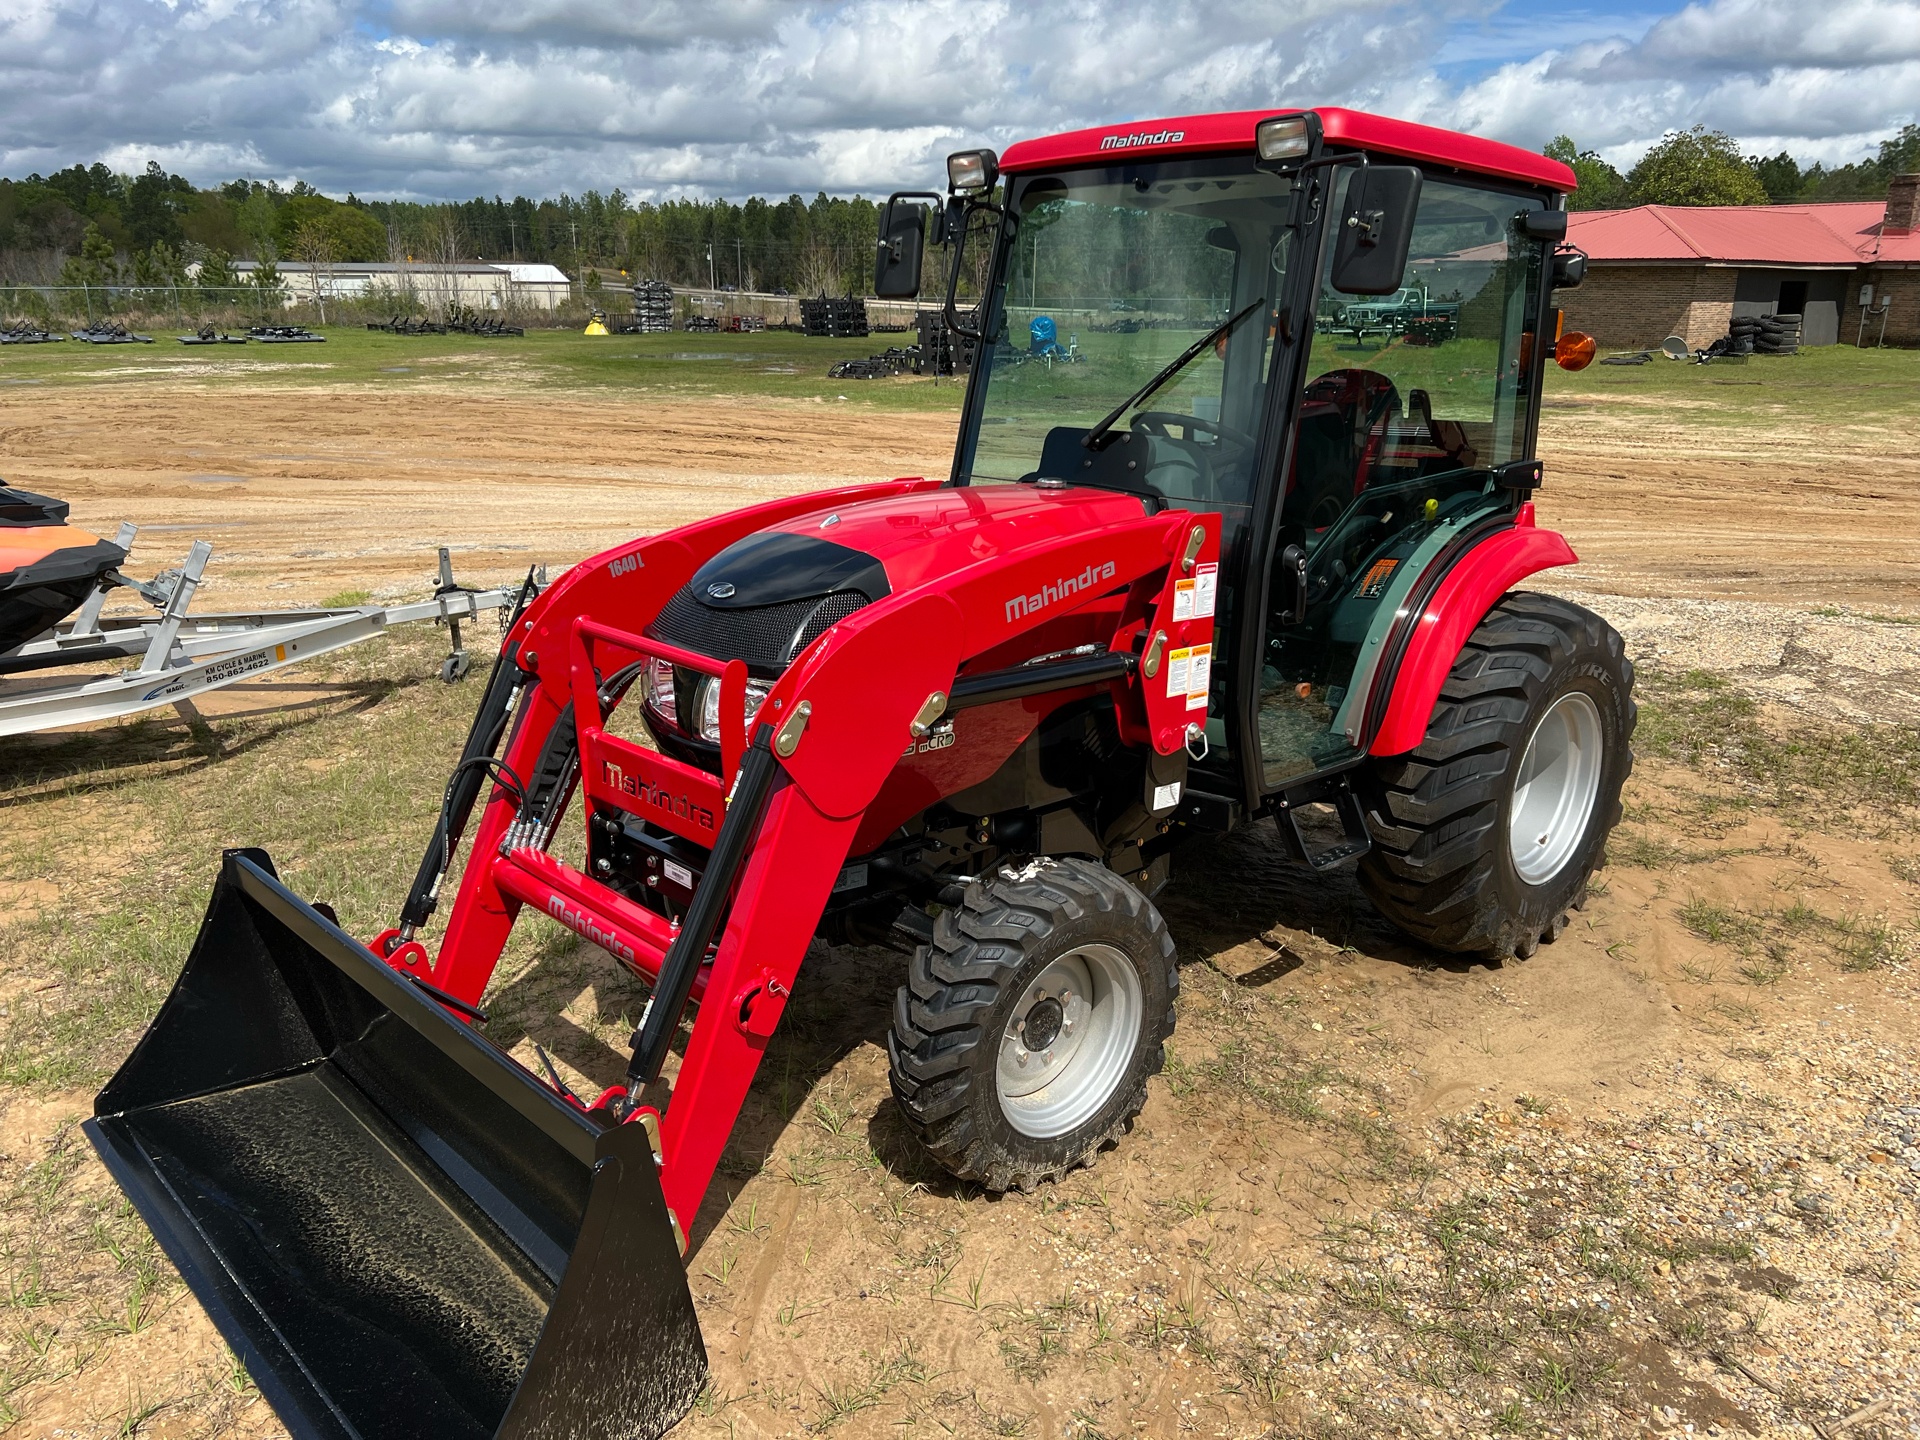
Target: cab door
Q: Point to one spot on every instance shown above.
(1389, 474)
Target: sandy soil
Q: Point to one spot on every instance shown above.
(305, 492)
(1654, 1180)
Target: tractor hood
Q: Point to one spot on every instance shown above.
(912, 539)
(766, 597)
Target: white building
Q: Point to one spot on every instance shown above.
(475, 284)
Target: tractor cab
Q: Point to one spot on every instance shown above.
(1205, 266)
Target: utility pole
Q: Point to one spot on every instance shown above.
(512, 245)
(711, 284)
(578, 278)
(739, 266)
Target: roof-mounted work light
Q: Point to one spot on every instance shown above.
(972, 172)
(1287, 137)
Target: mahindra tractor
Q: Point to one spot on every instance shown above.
(1227, 570)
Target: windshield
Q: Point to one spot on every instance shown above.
(1113, 273)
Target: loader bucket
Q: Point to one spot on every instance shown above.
(400, 1231)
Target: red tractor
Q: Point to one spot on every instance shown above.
(1227, 567)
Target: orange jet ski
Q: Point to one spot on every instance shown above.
(47, 567)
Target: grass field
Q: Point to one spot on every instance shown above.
(1875, 391)
(774, 364)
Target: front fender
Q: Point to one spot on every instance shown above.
(1461, 601)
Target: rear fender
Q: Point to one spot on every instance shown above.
(1457, 606)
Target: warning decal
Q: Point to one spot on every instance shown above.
(1183, 598)
(1200, 670)
(1206, 586)
(1179, 662)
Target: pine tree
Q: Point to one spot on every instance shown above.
(95, 265)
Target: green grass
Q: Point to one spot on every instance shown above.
(1876, 389)
(1814, 769)
(1840, 385)
(775, 365)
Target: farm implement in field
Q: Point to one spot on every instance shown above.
(110, 332)
(1218, 574)
(28, 332)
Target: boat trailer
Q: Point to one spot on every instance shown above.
(182, 655)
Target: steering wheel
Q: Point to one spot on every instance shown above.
(1155, 422)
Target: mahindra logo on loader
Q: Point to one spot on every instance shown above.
(582, 924)
(1151, 137)
(658, 797)
(1047, 595)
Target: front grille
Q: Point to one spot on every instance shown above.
(767, 637)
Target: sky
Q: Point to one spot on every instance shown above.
(455, 98)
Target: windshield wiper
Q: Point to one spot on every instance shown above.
(1092, 437)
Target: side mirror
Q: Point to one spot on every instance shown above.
(1544, 225)
(1569, 268)
(1376, 230)
(897, 259)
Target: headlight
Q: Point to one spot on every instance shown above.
(660, 699)
(1285, 138)
(972, 172)
(757, 692)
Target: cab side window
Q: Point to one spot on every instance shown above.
(1425, 380)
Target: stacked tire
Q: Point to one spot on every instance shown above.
(653, 307)
(1777, 335)
(1744, 332)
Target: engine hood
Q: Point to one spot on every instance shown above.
(918, 538)
(773, 567)
(766, 597)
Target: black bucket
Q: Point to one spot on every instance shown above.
(398, 1229)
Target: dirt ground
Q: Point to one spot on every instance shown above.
(1662, 1177)
(306, 492)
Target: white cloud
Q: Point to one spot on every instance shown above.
(463, 97)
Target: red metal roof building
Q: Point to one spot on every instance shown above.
(1662, 270)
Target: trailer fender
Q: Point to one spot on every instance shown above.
(1458, 604)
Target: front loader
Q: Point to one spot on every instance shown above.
(1230, 568)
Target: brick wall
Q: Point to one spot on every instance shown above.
(1625, 306)
(1903, 320)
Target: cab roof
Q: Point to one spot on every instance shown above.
(1213, 134)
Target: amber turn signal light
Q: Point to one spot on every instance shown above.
(1573, 351)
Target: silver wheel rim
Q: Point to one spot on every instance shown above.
(1086, 1007)
(1554, 794)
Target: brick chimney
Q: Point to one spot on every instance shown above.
(1903, 205)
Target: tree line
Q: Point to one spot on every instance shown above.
(87, 225)
(1706, 167)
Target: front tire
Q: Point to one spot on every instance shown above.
(1486, 835)
(1025, 1035)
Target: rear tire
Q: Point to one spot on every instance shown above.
(1486, 835)
(1025, 1034)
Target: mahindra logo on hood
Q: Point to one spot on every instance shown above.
(1142, 137)
(1059, 590)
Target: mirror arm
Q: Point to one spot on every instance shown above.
(958, 228)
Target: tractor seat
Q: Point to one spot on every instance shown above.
(1344, 416)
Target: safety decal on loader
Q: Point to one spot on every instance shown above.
(1188, 671)
(1194, 599)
